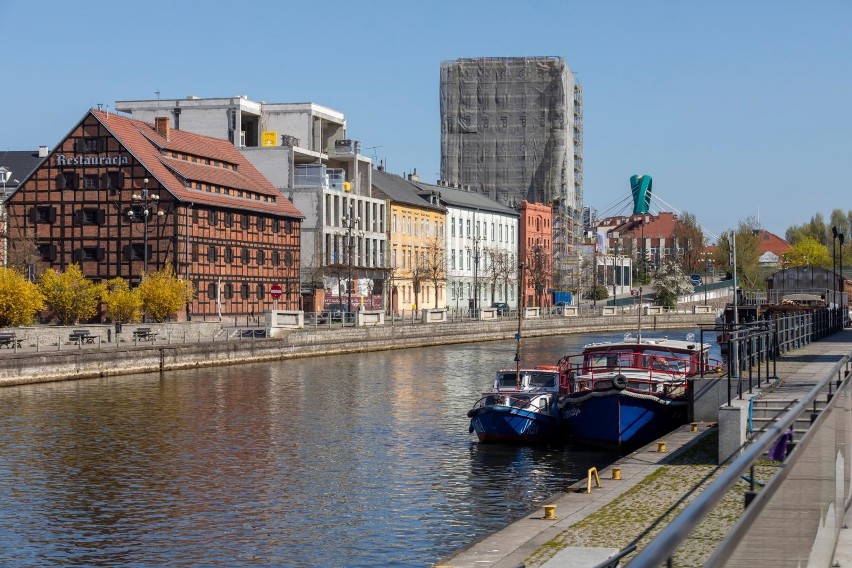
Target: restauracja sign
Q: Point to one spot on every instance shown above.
(63, 160)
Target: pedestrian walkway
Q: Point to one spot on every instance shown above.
(511, 547)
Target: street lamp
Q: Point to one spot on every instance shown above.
(148, 201)
(843, 282)
(834, 234)
(614, 269)
(351, 223)
(475, 250)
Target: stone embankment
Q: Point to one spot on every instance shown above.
(48, 355)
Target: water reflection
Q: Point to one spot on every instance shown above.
(357, 460)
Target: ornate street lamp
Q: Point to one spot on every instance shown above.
(351, 223)
(148, 202)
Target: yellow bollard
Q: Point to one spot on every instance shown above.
(661, 446)
(616, 473)
(550, 512)
(694, 427)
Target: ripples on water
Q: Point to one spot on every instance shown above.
(359, 460)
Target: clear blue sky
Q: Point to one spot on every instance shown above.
(735, 109)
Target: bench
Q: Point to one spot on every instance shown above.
(81, 336)
(144, 334)
(10, 340)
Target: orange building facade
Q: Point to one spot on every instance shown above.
(535, 248)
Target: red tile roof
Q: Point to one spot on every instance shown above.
(147, 146)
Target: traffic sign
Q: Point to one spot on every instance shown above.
(275, 291)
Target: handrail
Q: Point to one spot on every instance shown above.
(666, 542)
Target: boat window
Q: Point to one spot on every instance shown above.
(506, 380)
(542, 380)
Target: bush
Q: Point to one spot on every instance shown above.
(20, 299)
(70, 295)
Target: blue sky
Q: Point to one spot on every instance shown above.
(736, 109)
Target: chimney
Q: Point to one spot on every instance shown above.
(381, 167)
(413, 176)
(42, 151)
(161, 125)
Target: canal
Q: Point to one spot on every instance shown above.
(356, 460)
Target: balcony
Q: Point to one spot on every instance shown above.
(318, 175)
(345, 148)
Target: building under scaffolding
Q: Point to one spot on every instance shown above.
(512, 129)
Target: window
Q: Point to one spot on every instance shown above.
(213, 218)
(288, 227)
(229, 290)
(261, 257)
(276, 258)
(261, 223)
(229, 255)
(468, 228)
(453, 259)
(194, 252)
(90, 217)
(43, 214)
(212, 253)
(90, 145)
(135, 252)
(112, 180)
(91, 181)
(229, 219)
(288, 259)
(246, 255)
(67, 180)
(244, 222)
(47, 252)
(211, 290)
(195, 215)
(276, 225)
(91, 253)
(261, 292)
(244, 291)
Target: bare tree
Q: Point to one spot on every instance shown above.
(492, 269)
(538, 272)
(22, 253)
(690, 239)
(433, 265)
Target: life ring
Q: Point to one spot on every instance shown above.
(619, 382)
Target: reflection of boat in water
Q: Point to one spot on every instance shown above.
(631, 392)
(522, 407)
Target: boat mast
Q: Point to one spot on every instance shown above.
(639, 332)
(521, 306)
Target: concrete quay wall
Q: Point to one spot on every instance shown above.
(106, 359)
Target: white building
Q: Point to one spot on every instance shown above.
(481, 236)
(303, 149)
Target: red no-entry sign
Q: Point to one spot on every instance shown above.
(275, 291)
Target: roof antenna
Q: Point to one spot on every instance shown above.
(157, 92)
(100, 105)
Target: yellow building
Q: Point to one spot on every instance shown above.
(417, 262)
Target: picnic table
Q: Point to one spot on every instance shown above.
(10, 340)
(81, 337)
(144, 334)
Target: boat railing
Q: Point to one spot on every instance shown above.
(516, 401)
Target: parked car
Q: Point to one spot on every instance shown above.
(696, 280)
(502, 308)
(338, 312)
(314, 318)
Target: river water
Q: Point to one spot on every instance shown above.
(356, 460)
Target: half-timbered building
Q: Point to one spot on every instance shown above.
(121, 197)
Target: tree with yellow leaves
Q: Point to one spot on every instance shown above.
(163, 294)
(70, 295)
(123, 304)
(20, 299)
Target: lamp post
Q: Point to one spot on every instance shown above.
(843, 283)
(614, 269)
(834, 234)
(351, 223)
(148, 201)
(475, 251)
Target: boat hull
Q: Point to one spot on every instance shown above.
(506, 424)
(620, 419)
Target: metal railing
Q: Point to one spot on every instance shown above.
(771, 531)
